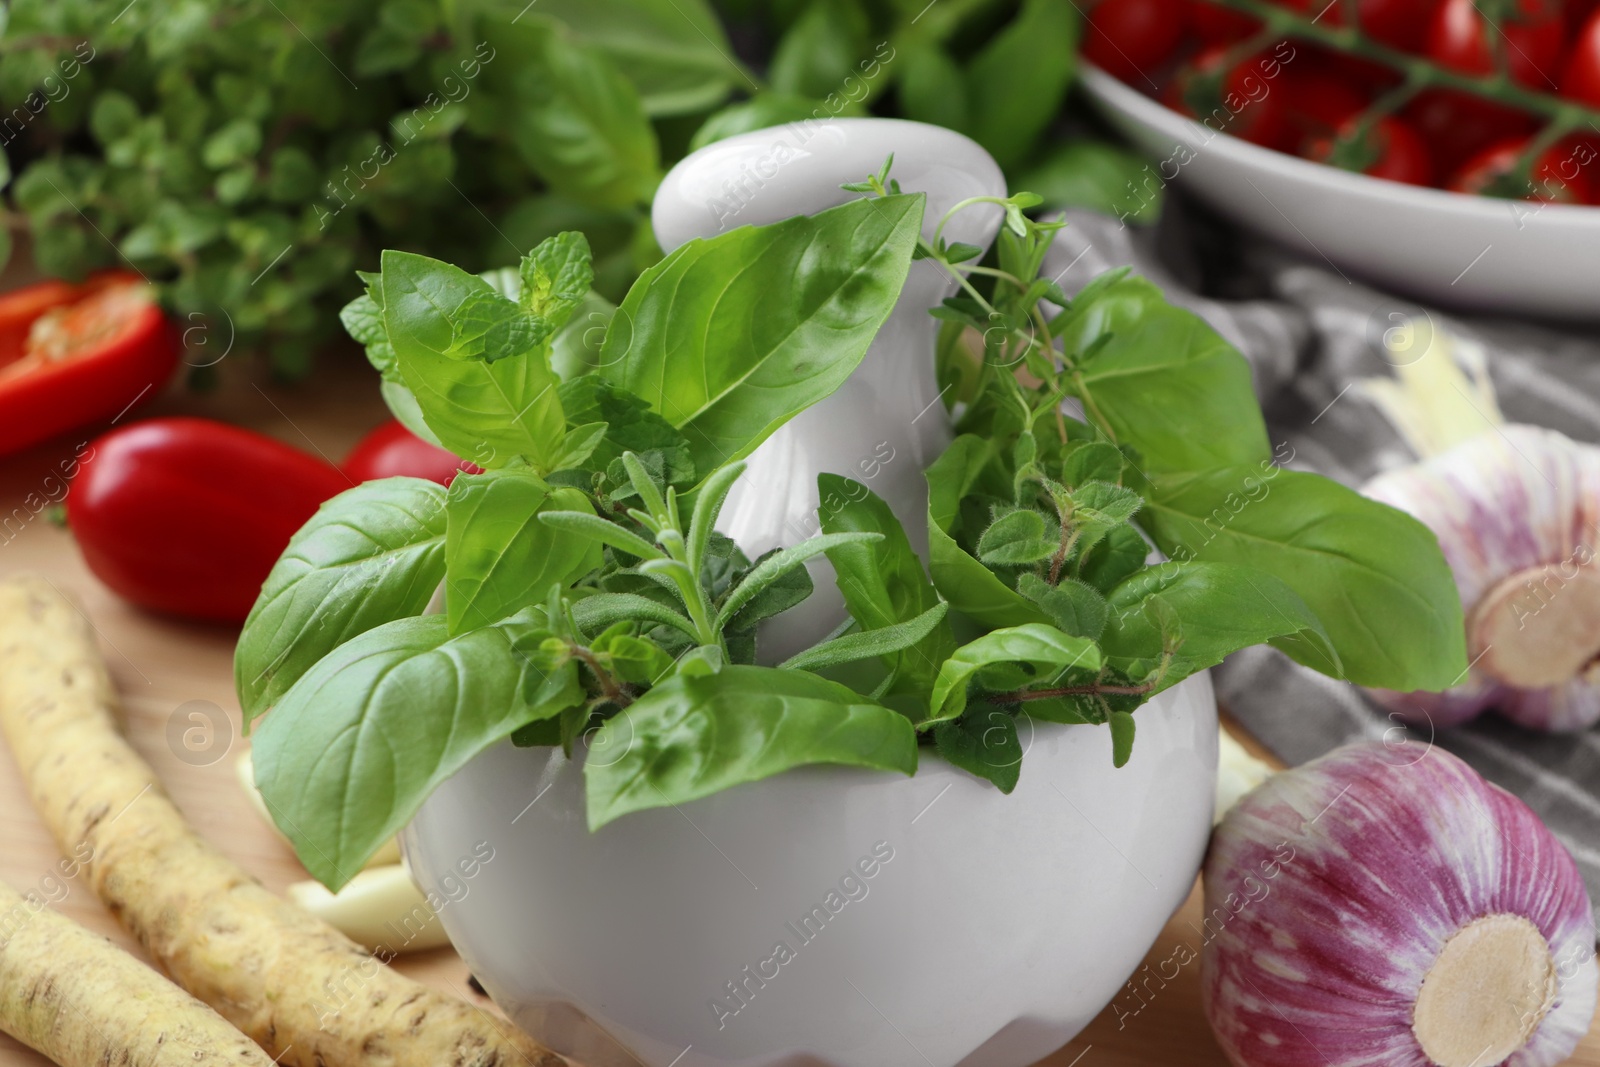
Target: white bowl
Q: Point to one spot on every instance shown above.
(996, 929)
(1471, 252)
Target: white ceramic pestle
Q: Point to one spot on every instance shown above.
(885, 424)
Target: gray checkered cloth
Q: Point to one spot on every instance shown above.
(1309, 331)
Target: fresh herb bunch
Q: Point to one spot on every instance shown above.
(587, 594)
(248, 154)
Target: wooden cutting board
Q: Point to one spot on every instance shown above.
(166, 669)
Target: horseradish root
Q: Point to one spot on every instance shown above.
(303, 991)
(1384, 906)
(83, 1002)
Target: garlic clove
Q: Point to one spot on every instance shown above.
(1514, 510)
(1384, 906)
(381, 908)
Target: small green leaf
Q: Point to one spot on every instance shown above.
(556, 277)
(692, 736)
(1043, 648)
(606, 533)
(630, 427)
(984, 742)
(867, 644)
(597, 612)
(771, 567)
(1017, 538)
(1121, 737)
(1075, 608)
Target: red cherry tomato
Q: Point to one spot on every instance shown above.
(393, 450)
(1564, 172)
(1457, 126)
(1129, 39)
(1401, 24)
(1581, 81)
(1249, 101)
(1396, 151)
(71, 355)
(1215, 24)
(187, 516)
(1319, 100)
(1459, 37)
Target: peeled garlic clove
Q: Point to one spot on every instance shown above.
(1514, 510)
(381, 908)
(1384, 906)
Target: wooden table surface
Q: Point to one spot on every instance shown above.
(161, 664)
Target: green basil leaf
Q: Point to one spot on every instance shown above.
(1039, 646)
(402, 404)
(883, 583)
(1372, 575)
(500, 557)
(675, 52)
(690, 737)
(868, 644)
(494, 414)
(1163, 358)
(570, 112)
(1098, 176)
(700, 338)
(1216, 609)
(931, 87)
(969, 586)
(983, 742)
(1019, 79)
(369, 556)
(325, 758)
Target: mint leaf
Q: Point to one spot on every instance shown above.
(372, 554)
(556, 276)
(690, 737)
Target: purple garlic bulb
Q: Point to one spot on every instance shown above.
(1384, 906)
(1515, 510)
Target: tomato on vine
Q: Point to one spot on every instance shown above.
(1130, 39)
(1461, 38)
(1564, 173)
(1386, 148)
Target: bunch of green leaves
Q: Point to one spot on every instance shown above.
(1042, 525)
(582, 587)
(247, 154)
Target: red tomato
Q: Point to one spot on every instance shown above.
(1564, 173)
(71, 355)
(392, 450)
(1457, 125)
(1396, 151)
(1581, 81)
(1215, 24)
(1319, 100)
(1129, 39)
(1459, 37)
(1401, 24)
(1250, 99)
(187, 516)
